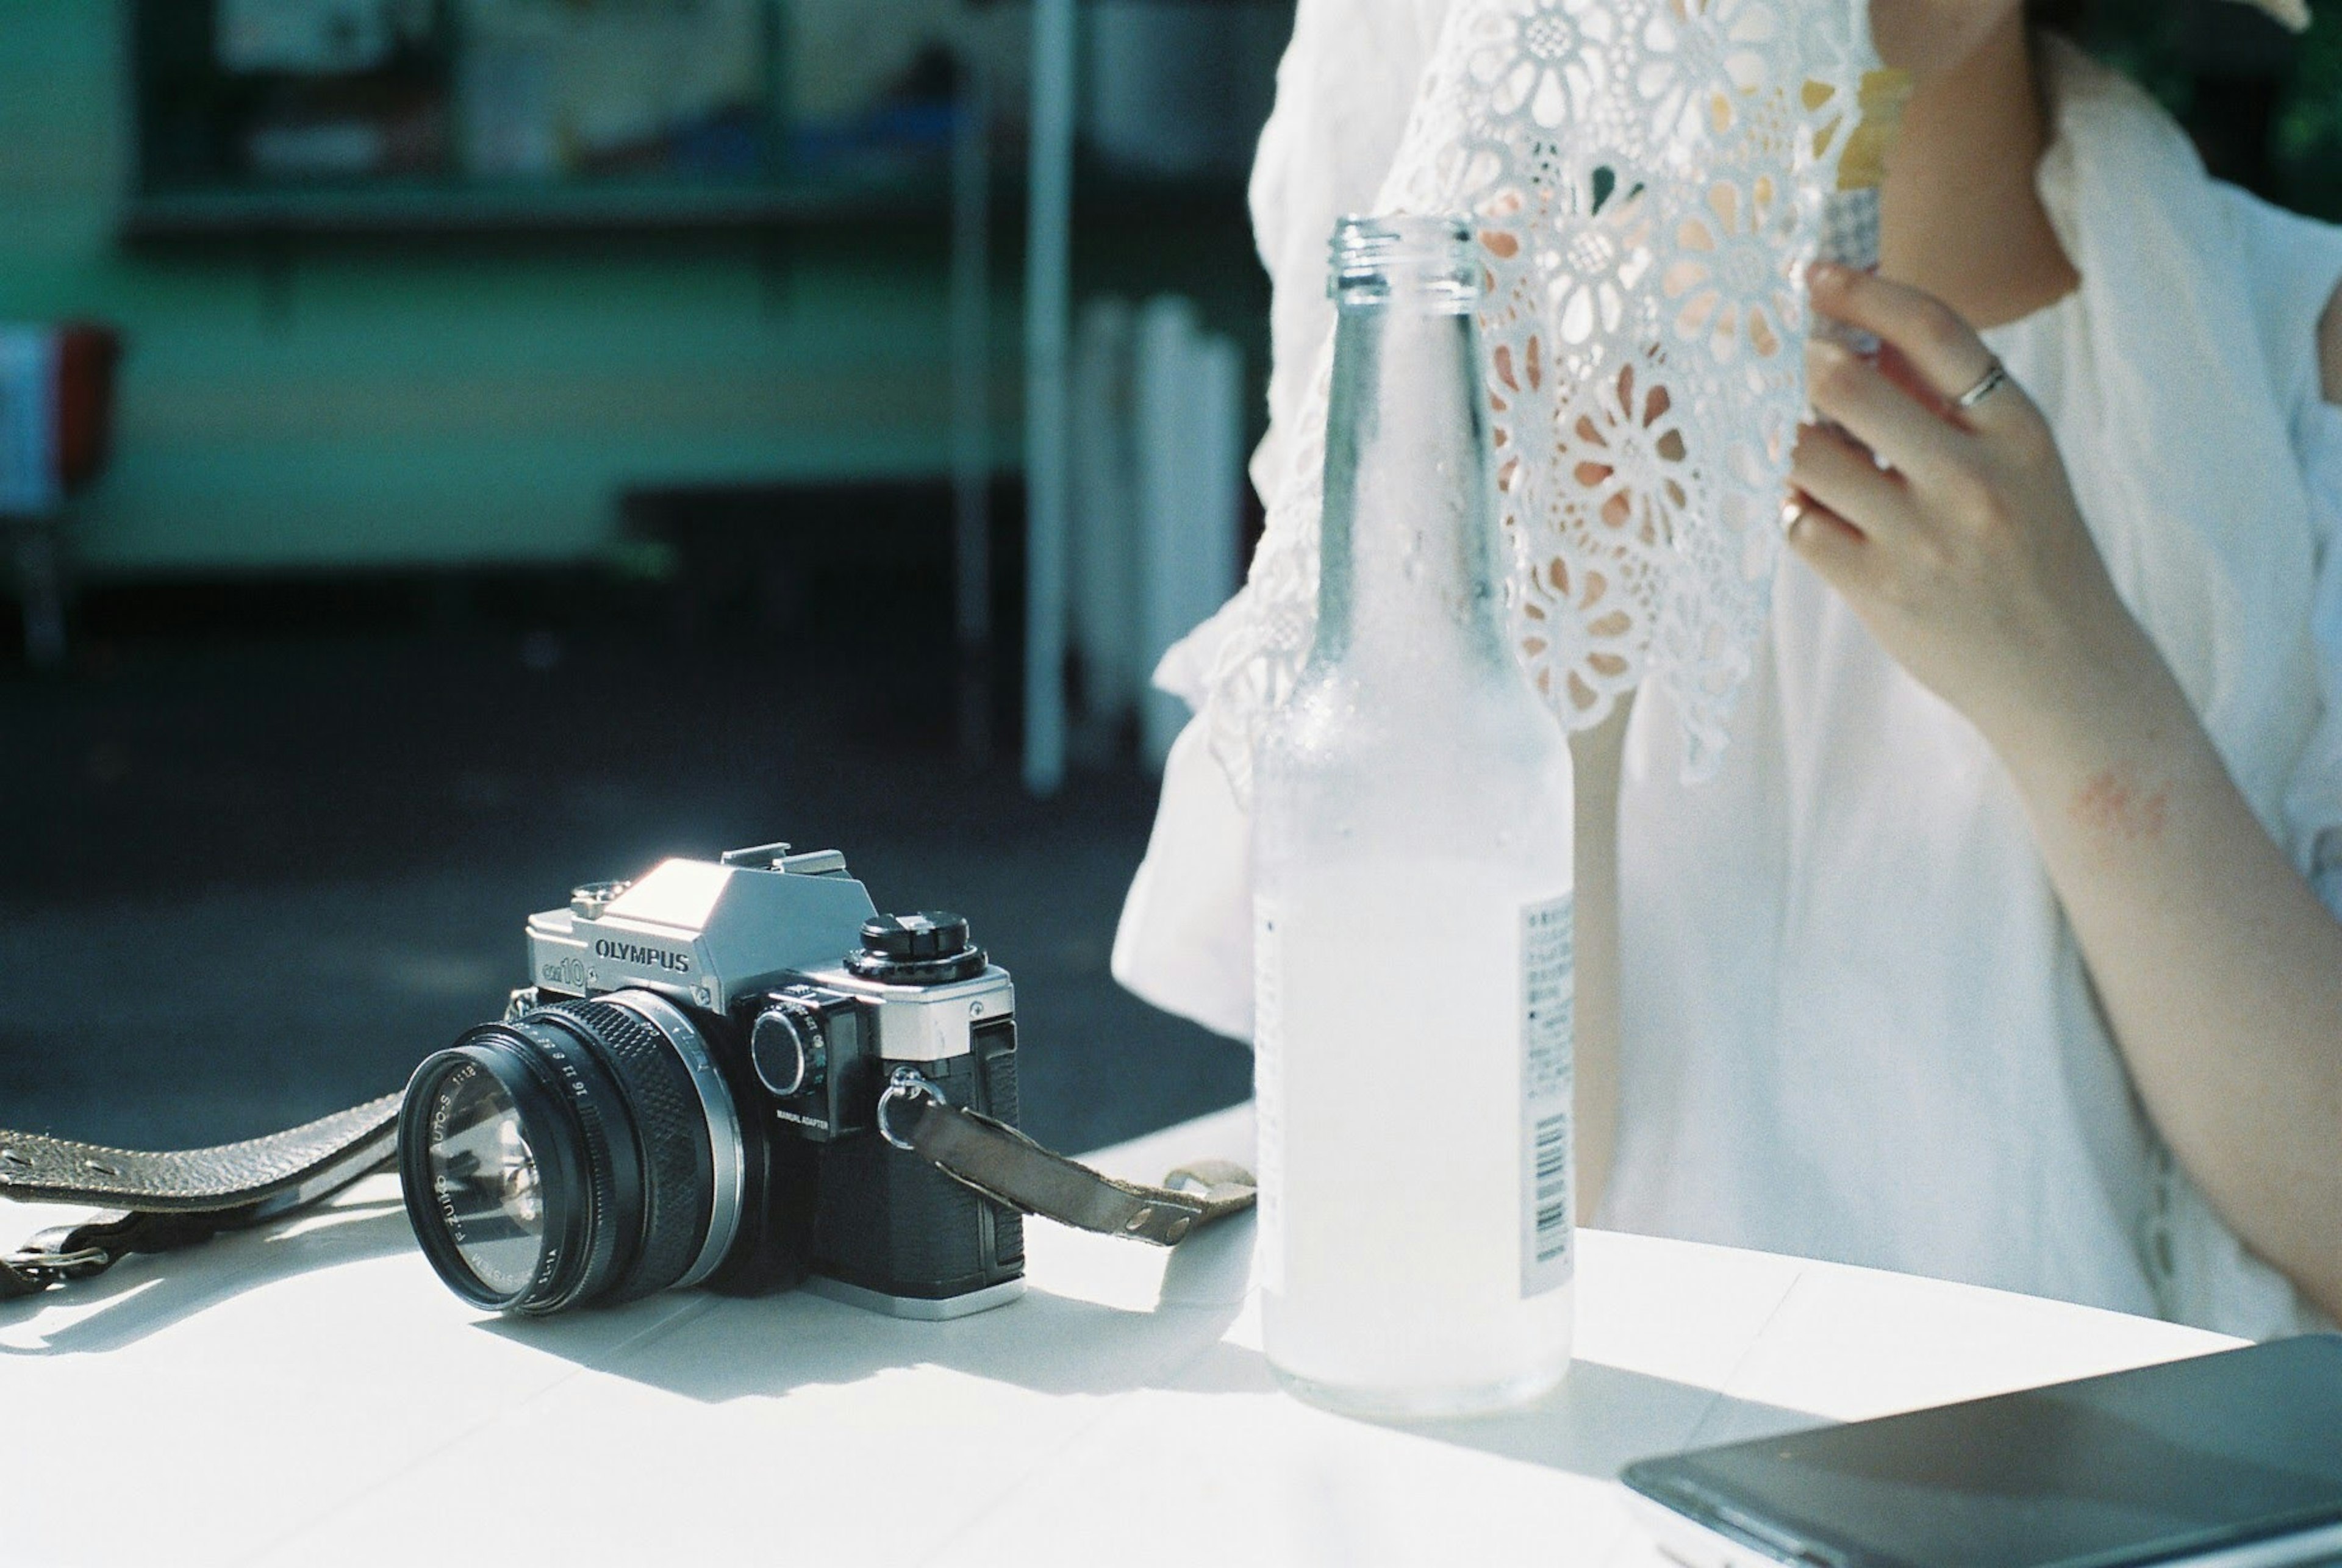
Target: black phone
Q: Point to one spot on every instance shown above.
(2232, 1459)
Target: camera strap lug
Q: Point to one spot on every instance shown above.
(1002, 1164)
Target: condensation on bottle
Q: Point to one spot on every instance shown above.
(1413, 898)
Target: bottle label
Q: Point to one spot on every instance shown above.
(1268, 1092)
(1548, 1076)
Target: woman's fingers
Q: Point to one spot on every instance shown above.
(1849, 389)
(1827, 543)
(1838, 472)
(1929, 335)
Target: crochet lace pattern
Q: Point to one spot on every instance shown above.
(1646, 180)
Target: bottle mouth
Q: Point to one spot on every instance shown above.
(1431, 262)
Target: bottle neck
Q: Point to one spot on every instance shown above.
(1410, 567)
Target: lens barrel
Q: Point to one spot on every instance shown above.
(581, 1152)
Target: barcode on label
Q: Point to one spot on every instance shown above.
(1551, 1150)
(1548, 976)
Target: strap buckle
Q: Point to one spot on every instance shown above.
(51, 1258)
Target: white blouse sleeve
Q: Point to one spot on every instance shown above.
(2296, 264)
(2314, 802)
(1185, 943)
(1343, 91)
(2209, 1276)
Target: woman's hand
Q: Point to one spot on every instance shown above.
(1964, 553)
(1965, 556)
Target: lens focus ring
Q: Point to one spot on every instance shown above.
(671, 1132)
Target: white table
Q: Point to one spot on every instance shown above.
(317, 1396)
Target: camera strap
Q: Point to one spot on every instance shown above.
(1004, 1165)
(157, 1201)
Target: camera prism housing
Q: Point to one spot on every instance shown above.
(688, 1093)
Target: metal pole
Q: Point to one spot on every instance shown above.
(971, 364)
(1047, 256)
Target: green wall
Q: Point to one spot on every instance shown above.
(395, 403)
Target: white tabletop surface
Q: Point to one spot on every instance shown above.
(317, 1396)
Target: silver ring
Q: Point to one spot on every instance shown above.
(1793, 512)
(1990, 381)
(905, 1085)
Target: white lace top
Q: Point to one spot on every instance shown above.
(1856, 1024)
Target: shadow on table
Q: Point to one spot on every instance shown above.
(716, 1349)
(1600, 1420)
(1603, 1418)
(704, 1346)
(729, 1348)
(146, 1292)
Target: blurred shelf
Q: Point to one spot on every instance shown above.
(453, 208)
(427, 208)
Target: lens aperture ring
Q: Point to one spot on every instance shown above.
(669, 1128)
(586, 1092)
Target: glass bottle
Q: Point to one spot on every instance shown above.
(1412, 897)
(1850, 212)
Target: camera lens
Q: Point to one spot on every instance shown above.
(481, 1165)
(583, 1152)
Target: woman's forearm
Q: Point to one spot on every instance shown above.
(1938, 506)
(2219, 970)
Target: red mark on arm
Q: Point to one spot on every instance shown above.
(2112, 805)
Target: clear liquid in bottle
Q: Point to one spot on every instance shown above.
(1412, 899)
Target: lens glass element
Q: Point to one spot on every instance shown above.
(484, 1180)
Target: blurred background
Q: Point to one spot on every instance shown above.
(455, 449)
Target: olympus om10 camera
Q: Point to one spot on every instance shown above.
(693, 1090)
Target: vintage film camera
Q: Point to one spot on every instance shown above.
(694, 1090)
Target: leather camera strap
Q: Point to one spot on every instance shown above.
(1006, 1167)
(155, 1202)
(152, 1203)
